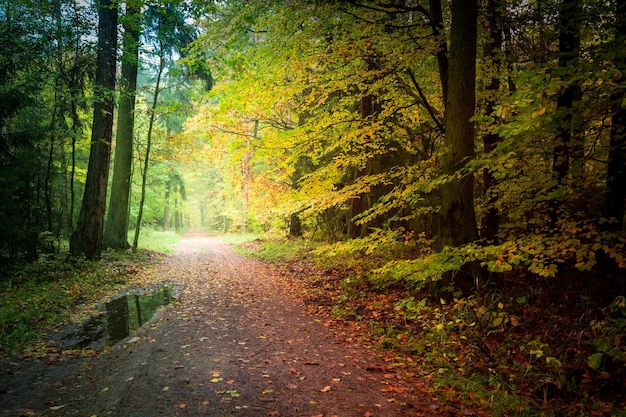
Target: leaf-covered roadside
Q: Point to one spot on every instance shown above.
(37, 298)
(534, 346)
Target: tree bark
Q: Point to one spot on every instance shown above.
(615, 196)
(458, 218)
(87, 238)
(569, 46)
(146, 162)
(436, 21)
(493, 49)
(116, 227)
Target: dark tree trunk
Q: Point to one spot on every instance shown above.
(493, 49)
(569, 46)
(614, 201)
(295, 226)
(116, 228)
(360, 203)
(458, 218)
(436, 21)
(87, 238)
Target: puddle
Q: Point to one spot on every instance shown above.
(121, 317)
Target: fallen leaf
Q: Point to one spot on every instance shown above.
(165, 389)
(325, 389)
(181, 405)
(57, 407)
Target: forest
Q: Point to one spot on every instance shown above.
(457, 163)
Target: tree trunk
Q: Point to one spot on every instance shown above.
(87, 238)
(569, 45)
(493, 48)
(177, 222)
(436, 21)
(458, 219)
(295, 226)
(166, 209)
(146, 162)
(360, 203)
(116, 227)
(614, 201)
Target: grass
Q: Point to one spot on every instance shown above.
(238, 238)
(38, 297)
(156, 240)
(45, 294)
(276, 250)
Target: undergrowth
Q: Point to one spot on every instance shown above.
(529, 347)
(40, 296)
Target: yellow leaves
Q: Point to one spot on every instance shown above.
(538, 113)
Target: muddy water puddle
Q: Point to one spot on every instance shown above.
(120, 317)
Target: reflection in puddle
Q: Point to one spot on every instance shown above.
(129, 312)
(122, 316)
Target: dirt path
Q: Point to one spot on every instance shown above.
(235, 343)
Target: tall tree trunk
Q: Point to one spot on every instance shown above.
(436, 21)
(75, 131)
(166, 209)
(569, 46)
(458, 218)
(116, 227)
(246, 177)
(177, 222)
(360, 203)
(87, 238)
(493, 50)
(146, 162)
(615, 196)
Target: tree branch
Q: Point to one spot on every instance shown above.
(431, 110)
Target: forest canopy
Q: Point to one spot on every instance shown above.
(478, 137)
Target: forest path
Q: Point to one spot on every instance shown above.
(234, 343)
